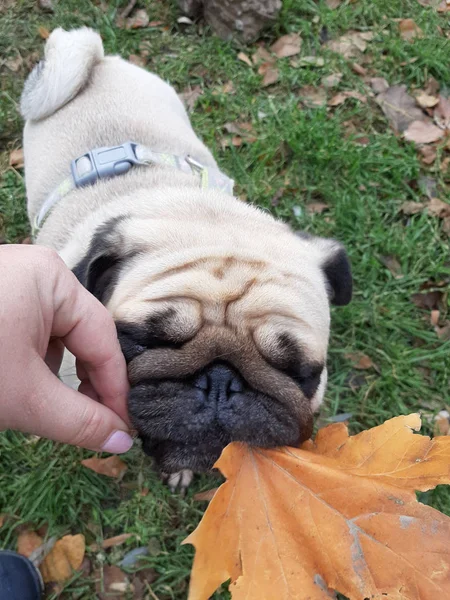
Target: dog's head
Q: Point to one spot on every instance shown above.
(224, 323)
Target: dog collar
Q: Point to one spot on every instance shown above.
(108, 162)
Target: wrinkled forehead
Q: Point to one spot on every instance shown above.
(238, 294)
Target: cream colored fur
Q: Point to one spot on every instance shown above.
(90, 101)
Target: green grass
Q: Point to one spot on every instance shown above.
(310, 156)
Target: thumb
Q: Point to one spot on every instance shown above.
(62, 414)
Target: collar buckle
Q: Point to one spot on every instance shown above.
(103, 163)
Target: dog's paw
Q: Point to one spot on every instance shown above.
(178, 482)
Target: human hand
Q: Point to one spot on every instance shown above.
(43, 308)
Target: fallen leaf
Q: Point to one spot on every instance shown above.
(379, 85)
(360, 361)
(358, 69)
(429, 300)
(443, 333)
(399, 107)
(136, 59)
(425, 100)
(423, 132)
(270, 74)
(287, 45)
(205, 496)
(112, 466)
(312, 97)
(332, 80)
(316, 208)
(117, 540)
(236, 140)
(442, 113)
(244, 58)
(332, 4)
(339, 513)
(391, 263)
(445, 164)
(16, 159)
(442, 423)
(46, 5)
(432, 87)
(139, 20)
(446, 225)
(434, 317)
(411, 208)
(262, 55)
(428, 153)
(409, 30)
(28, 542)
(190, 95)
(437, 208)
(439, 5)
(341, 97)
(14, 64)
(43, 32)
(65, 557)
(352, 44)
(2, 519)
(111, 582)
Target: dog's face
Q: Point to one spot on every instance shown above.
(224, 326)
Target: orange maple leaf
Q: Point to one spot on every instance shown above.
(339, 514)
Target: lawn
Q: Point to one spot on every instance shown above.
(334, 171)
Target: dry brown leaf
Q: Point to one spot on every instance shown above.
(358, 69)
(428, 300)
(425, 100)
(244, 58)
(43, 32)
(65, 557)
(443, 333)
(2, 519)
(117, 540)
(423, 132)
(412, 208)
(287, 45)
(16, 159)
(316, 208)
(339, 513)
(332, 80)
(312, 97)
(112, 582)
(46, 5)
(434, 317)
(399, 107)
(437, 208)
(442, 423)
(439, 5)
(14, 64)
(409, 30)
(190, 95)
(270, 74)
(352, 44)
(28, 542)
(112, 466)
(137, 59)
(428, 153)
(360, 361)
(379, 85)
(332, 4)
(391, 263)
(341, 97)
(205, 496)
(442, 112)
(262, 55)
(139, 20)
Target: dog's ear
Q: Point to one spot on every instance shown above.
(335, 264)
(338, 273)
(99, 270)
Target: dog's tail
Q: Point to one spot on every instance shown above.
(69, 59)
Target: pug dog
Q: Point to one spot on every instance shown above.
(222, 311)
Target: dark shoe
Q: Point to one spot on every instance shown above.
(19, 578)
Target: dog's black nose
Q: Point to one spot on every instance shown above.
(219, 381)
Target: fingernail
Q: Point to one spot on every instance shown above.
(117, 443)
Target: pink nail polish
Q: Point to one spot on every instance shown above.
(118, 442)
